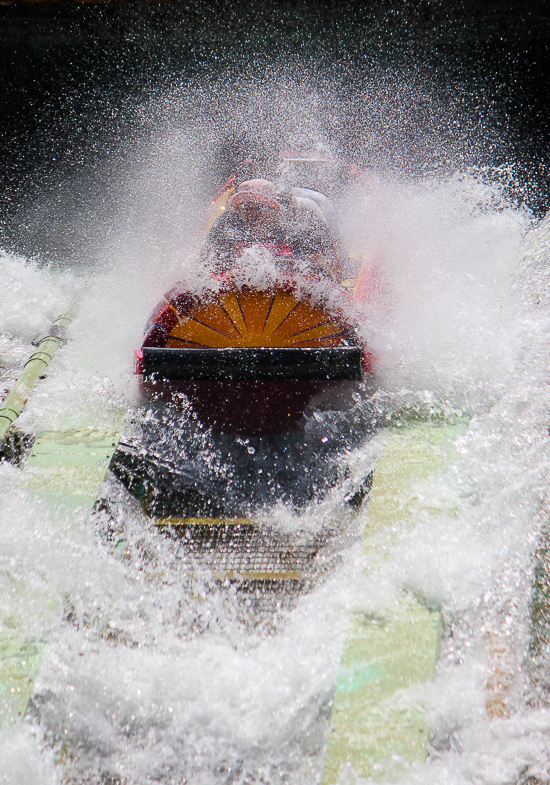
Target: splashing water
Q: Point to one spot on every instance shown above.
(147, 681)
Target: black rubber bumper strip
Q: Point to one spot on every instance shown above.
(341, 363)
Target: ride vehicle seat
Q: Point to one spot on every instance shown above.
(291, 226)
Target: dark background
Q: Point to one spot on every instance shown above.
(70, 71)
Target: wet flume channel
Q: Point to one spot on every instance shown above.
(144, 681)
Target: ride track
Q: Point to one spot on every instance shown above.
(385, 657)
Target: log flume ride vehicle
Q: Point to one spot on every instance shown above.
(252, 357)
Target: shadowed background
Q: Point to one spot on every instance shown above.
(73, 76)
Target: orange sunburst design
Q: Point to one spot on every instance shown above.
(256, 319)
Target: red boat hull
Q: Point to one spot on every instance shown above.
(248, 408)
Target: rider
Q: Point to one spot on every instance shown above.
(290, 227)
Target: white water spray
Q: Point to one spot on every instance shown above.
(154, 699)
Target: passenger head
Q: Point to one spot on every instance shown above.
(255, 202)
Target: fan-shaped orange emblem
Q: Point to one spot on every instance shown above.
(256, 319)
